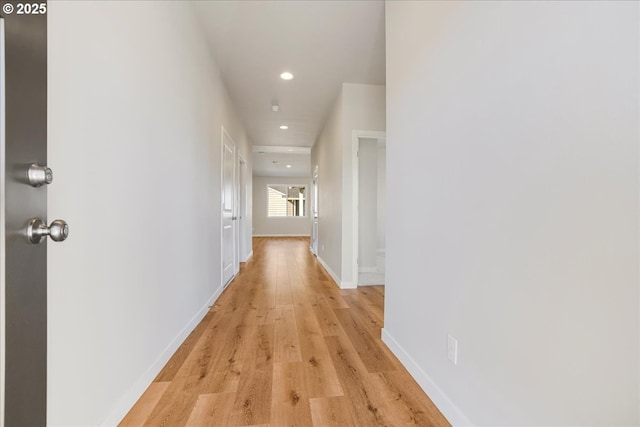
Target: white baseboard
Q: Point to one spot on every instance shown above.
(368, 270)
(248, 256)
(281, 235)
(130, 397)
(329, 271)
(348, 285)
(451, 412)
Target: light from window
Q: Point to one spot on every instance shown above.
(286, 200)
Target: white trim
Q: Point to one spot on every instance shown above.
(240, 178)
(281, 235)
(348, 285)
(2, 224)
(381, 251)
(356, 135)
(328, 269)
(248, 256)
(451, 412)
(368, 270)
(334, 276)
(131, 396)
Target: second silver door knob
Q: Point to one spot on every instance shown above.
(37, 229)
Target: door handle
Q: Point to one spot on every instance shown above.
(39, 175)
(37, 229)
(233, 218)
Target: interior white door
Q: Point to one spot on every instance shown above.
(243, 249)
(229, 218)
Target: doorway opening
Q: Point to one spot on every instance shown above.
(314, 212)
(244, 248)
(370, 213)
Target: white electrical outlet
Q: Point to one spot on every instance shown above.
(452, 349)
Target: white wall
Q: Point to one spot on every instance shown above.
(285, 226)
(368, 205)
(136, 105)
(520, 121)
(364, 108)
(358, 107)
(326, 154)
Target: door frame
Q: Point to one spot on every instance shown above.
(356, 135)
(2, 225)
(314, 202)
(241, 244)
(236, 265)
(23, 286)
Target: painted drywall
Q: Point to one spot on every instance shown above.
(364, 108)
(286, 226)
(134, 136)
(520, 122)
(368, 205)
(357, 107)
(326, 155)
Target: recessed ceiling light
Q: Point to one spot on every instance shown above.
(286, 76)
(288, 166)
(284, 127)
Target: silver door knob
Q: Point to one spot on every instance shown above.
(39, 175)
(37, 229)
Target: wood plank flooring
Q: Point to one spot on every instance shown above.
(284, 346)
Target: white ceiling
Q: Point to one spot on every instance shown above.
(273, 161)
(323, 43)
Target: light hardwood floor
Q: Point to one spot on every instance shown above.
(284, 346)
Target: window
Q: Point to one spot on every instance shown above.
(286, 200)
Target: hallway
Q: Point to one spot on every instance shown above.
(283, 346)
